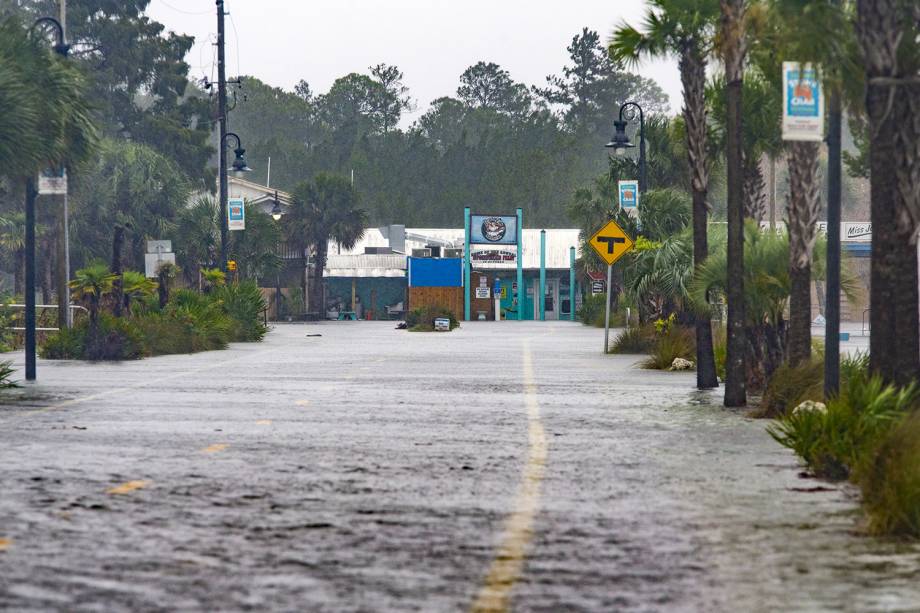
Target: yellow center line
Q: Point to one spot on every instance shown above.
(264, 422)
(127, 488)
(216, 448)
(495, 595)
(145, 384)
(5, 544)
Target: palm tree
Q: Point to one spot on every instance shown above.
(733, 50)
(330, 210)
(197, 237)
(165, 275)
(684, 28)
(136, 286)
(91, 285)
(212, 279)
(888, 35)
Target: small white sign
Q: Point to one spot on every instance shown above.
(629, 194)
(52, 182)
(803, 103)
(236, 214)
(159, 246)
(859, 231)
(482, 293)
(153, 261)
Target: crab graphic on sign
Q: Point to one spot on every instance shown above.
(611, 242)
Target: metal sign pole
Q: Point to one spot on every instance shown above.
(607, 309)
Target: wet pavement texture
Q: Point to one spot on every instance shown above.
(372, 469)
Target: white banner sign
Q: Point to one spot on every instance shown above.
(803, 104)
(850, 231)
(52, 182)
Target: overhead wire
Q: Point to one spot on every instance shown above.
(184, 12)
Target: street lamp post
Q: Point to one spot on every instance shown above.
(239, 166)
(276, 214)
(620, 141)
(61, 48)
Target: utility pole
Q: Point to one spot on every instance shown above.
(832, 301)
(31, 195)
(63, 280)
(222, 111)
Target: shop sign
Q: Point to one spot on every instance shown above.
(493, 256)
(856, 231)
(52, 182)
(803, 106)
(236, 214)
(493, 230)
(482, 293)
(629, 195)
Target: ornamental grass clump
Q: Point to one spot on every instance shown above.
(637, 339)
(891, 482)
(670, 342)
(422, 318)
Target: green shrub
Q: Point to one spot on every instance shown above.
(891, 482)
(633, 340)
(674, 342)
(115, 339)
(6, 374)
(720, 350)
(422, 318)
(792, 385)
(841, 439)
(67, 344)
(592, 310)
(244, 303)
(165, 334)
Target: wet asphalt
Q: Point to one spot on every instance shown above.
(371, 469)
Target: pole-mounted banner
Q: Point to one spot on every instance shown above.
(803, 104)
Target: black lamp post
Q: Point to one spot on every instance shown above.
(620, 141)
(61, 48)
(276, 214)
(239, 166)
(277, 211)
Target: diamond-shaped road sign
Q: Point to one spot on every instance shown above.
(611, 243)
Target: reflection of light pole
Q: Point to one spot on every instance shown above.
(61, 48)
(239, 166)
(620, 141)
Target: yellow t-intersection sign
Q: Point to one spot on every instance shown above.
(611, 243)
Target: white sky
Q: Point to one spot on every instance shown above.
(431, 41)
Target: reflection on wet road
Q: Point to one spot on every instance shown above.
(370, 469)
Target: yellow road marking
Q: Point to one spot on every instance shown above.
(214, 448)
(506, 568)
(145, 384)
(127, 488)
(5, 544)
(302, 403)
(264, 422)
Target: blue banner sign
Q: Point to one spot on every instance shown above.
(629, 194)
(236, 214)
(803, 106)
(493, 230)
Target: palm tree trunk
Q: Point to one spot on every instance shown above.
(118, 240)
(733, 53)
(316, 285)
(47, 270)
(755, 189)
(19, 275)
(802, 211)
(693, 80)
(893, 346)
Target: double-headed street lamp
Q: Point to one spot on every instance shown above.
(239, 166)
(620, 141)
(61, 48)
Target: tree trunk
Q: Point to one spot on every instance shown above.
(893, 344)
(118, 298)
(47, 270)
(733, 58)
(755, 190)
(316, 284)
(799, 314)
(19, 275)
(693, 80)
(802, 212)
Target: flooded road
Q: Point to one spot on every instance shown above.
(500, 466)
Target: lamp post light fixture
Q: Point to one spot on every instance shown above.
(239, 166)
(277, 211)
(60, 47)
(620, 142)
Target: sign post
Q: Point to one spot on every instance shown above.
(611, 243)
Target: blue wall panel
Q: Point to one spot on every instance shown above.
(435, 272)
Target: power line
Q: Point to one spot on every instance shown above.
(169, 6)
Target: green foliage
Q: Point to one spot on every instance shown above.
(422, 318)
(842, 439)
(891, 482)
(792, 385)
(90, 285)
(669, 345)
(66, 344)
(592, 310)
(634, 340)
(213, 278)
(6, 374)
(244, 303)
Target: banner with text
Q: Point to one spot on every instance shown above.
(236, 214)
(803, 106)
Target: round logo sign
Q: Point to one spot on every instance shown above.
(494, 229)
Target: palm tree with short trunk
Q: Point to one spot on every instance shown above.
(329, 205)
(136, 286)
(90, 286)
(684, 28)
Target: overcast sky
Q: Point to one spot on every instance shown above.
(431, 41)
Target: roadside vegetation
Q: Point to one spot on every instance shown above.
(422, 318)
(155, 322)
